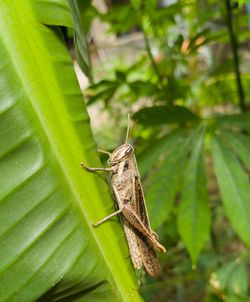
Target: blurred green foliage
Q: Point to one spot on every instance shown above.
(188, 90)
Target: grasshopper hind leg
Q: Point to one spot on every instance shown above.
(107, 217)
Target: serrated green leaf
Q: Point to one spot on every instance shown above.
(143, 88)
(221, 277)
(241, 121)
(160, 115)
(234, 188)
(231, 278)
(238, 283)
(164, 183)
(240, 143)
(121, 18)
(158, 149)
(193, 213)
(104, 95)
(103, 90)
(48, 247)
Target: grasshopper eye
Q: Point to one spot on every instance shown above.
(129, 150)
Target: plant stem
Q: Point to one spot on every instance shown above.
(151, 57)
(234, 46)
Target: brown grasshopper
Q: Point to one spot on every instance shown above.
(127, 188)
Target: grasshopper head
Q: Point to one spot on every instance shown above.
(121, 153)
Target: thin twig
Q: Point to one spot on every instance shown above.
(234, 46)
(151, 57)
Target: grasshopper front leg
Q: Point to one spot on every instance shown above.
(96, 169)
(103, 170)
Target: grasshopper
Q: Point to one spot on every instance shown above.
(128, 192)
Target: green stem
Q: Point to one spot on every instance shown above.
(140, 12)
(151, 57)
(234, 46)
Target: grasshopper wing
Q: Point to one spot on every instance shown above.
(148, 253)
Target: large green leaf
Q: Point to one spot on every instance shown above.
(165, 181)
(240, 143)
(48, 247)
(193, 214)
(238, 121)
(158, 149)
(160, 115)
(231, 277)
(238, 283)
(234, 188)
(220, 278)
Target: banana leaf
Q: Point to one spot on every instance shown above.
(49, 251)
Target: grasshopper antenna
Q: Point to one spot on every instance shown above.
(128, 130)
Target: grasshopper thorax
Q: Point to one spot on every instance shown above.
(121, 153)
